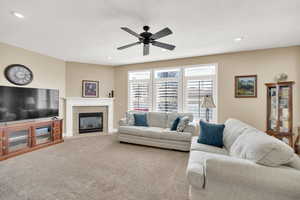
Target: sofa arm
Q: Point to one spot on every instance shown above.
(123, 122)
(192, 128)
(239, 173)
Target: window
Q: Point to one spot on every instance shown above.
(166, 85)
(139, 91)
(173, 90)
(199, 82)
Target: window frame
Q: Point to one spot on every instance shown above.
(182, 85)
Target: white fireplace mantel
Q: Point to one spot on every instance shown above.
(71, 102)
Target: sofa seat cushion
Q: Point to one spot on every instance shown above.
(195, 146)
(174, 135)
(155, 132)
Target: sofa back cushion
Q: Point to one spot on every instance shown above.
(172, 116)
(261, 148)
(233, 129)
(157, 119)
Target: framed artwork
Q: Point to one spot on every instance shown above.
(90, 89)
(246, 86)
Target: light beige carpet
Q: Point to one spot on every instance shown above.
(95, 168)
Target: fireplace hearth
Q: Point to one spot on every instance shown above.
(90, 122)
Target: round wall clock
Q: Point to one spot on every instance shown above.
(18, 74)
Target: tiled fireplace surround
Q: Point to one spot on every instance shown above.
(75, 105)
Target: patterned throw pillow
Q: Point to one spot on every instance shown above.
(130, 118)
(184, 121)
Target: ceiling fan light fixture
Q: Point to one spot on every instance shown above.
(17, 14)
(238, 39)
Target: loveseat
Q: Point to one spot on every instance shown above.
(218, 173)
(157, 133)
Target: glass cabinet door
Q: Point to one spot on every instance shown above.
(273, 115)
(17, 140)
(283, 109)
(43, 134)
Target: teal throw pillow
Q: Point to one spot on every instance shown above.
(211, 134)
(175, 124)
(140, 119)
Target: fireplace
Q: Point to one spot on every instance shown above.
(90, 122)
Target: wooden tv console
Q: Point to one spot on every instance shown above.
(19, 138)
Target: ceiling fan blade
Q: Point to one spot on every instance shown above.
(146, 49)
(132, 32)
(128, 45)
(163, 45)
(162, 33)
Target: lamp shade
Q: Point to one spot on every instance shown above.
(207, 102)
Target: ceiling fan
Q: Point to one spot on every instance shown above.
(148, 38)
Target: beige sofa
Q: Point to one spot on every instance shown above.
(213, 173)
(158, 132)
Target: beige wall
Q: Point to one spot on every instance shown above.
(48, 72)
(67, 77)
(265, 63)
(76, 72)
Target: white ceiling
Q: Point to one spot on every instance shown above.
(89, 30)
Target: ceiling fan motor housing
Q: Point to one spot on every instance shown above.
(146, 35)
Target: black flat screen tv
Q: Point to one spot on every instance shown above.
(19, 103)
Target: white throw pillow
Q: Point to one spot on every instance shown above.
(184, 121)
(262, 149)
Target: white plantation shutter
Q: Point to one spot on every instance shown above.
(166, 96)
(139, 91)
(166, 84)
(196, 89)
(199, 82)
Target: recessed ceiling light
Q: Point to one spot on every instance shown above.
(238, 39)
(18, 15)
